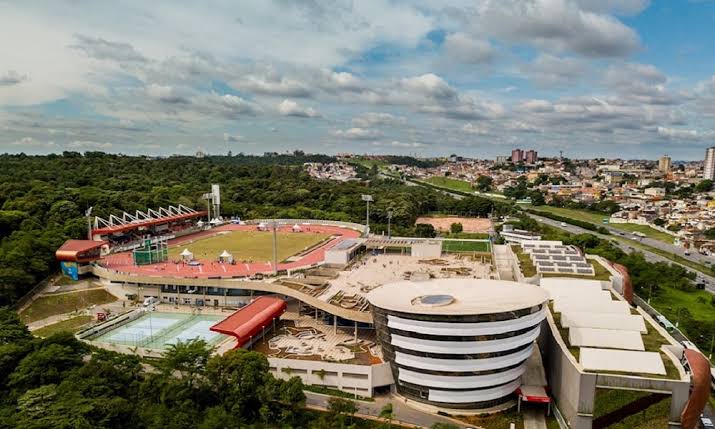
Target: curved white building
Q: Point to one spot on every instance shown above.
(457, 343)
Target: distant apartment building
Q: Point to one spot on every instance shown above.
(502, 159)
(664, 164)
(709, 168)
(517, 155)
(531, 156)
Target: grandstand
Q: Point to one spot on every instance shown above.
(128, 228)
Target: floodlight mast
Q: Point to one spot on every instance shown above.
(275, 248)
(367, 198)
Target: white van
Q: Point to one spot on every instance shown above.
(150, 301)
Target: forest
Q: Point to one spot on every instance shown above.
(61, 383)
(43, 199)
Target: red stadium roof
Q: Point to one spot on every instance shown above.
(145, 223)
(248, 321)
(75, 250)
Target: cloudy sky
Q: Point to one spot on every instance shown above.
(615, 78)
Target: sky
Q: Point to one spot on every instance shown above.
(591, 78)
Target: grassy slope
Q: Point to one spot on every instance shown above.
(249, 245)
(70, 325)
(448, 182)
(51, 305)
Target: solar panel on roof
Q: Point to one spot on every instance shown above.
(582, 271)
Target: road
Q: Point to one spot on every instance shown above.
(403, 413)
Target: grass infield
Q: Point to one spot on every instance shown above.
(249, 245)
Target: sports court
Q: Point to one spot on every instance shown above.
(469, 224)
(159, 330)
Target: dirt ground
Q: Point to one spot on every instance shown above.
(470, 224)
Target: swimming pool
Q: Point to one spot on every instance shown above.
(155, 330)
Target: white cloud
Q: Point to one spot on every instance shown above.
(550, 70)
(463, 48)
(358, 134)
(684, 134)
(233, 138)
(88, 144)
(11, 77)
(555, 25)
(399, 144)
(291, 108)
(377, 118)
(469, 128)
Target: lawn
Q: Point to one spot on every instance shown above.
(669, 301)
(466, 246)
(527, 267)
(250, 245)
(449, 183)
(50, 305)
(69, 325)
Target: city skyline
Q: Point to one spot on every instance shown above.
(631, 79)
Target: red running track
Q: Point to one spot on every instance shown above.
(122, 262)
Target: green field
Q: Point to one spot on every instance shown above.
(597, 219)
(69, 325)
(249, 245)
(669, 301)
(50, 305)
(466, 246)
(449, 183)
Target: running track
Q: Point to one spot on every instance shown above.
(122, 262)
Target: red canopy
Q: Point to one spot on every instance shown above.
(250, 320)
(79, 250)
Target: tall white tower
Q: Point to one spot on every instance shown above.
(709, 168)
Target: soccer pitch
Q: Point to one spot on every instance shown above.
(254, 246)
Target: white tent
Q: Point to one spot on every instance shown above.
(297, 228)
(200, 224)
(225, 257)
(215, 221)
(186, 255)
(262, 226)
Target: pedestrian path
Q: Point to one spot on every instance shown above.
(534, 419)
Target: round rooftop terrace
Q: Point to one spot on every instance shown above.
(457, 296)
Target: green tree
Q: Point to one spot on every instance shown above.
(704, 186)
(188, 359)
(484, 183)
(387, 413)
(341, 409)
(456, 228)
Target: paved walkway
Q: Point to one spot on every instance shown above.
(534, 419)
(404, 414)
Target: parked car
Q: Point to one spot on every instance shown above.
(706, 422)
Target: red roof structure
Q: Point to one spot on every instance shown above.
(150, 222)
(249, 321)
(79, 250)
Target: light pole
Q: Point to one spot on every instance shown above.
(367, 198)
(677, 321)
(650, 292)
(275, 248)
(389, 221)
